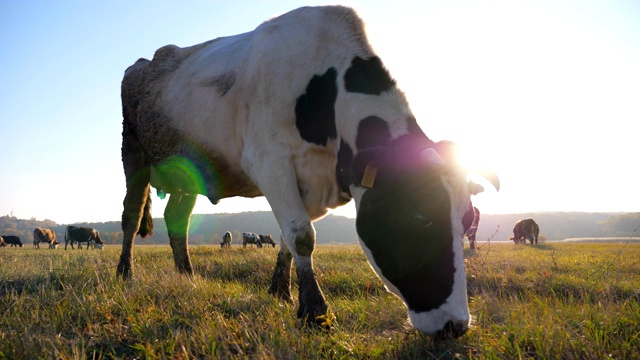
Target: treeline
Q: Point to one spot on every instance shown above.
(209, 228)
(204, 229)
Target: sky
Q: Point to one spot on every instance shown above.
(546, 93)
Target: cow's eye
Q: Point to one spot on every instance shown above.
(423, 220)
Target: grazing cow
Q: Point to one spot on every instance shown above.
(524, 230)
(302, 111)
(74, 234)
(250, 238)
(472, 218)
(44, 235)
(226, 240)
(267, 239)
(12, 240)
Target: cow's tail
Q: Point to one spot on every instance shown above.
(146, 224)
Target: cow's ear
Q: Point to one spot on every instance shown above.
(431, 156)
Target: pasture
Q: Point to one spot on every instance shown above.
(556, 301)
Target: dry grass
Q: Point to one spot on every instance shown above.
(564, 301)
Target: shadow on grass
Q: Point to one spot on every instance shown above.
(416, 345)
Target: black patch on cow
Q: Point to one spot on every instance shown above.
(223, 83)
(367, 77)
(304, 239)
(315, 112)
(373, 132)
(344, 171)
(405, 220)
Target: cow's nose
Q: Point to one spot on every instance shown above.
(452, 331)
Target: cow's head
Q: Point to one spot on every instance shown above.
(411, 204)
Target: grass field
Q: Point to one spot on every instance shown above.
(556, 301)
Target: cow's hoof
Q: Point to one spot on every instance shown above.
(185, 270)
(281, 293)
(319, 319)
(124, 271)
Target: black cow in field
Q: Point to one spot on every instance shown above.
(251, 238)
(524, 230)
(267, 239)
(74, 234)
(470, 220)
(12, 240)
(226, 240)
(300, 110)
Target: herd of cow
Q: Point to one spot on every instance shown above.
(523, 230)
(79, 235)
(248, 238)
(72, 235)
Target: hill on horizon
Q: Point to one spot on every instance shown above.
(209, 228)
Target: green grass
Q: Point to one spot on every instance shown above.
(556, 301)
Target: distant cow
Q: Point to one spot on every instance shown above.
(250, 238)
(300, 110)
(471, 220)
(75, 234)
(44, 235)
(525, 229)
(267, 239)
(2, 242)
(12, 240)
(226, 240)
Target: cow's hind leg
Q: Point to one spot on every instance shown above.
(281, 280)
(131, 216)
(177, 215)
(138, 174)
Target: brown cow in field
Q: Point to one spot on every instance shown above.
(267, 239)
(44, 235)
(525, 229)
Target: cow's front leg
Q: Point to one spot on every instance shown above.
(313, 308)
(281, 280)
(279, 184)
(177, 215)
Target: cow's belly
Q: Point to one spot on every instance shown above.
(196, 172)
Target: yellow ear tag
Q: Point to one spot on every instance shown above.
(369, 177)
